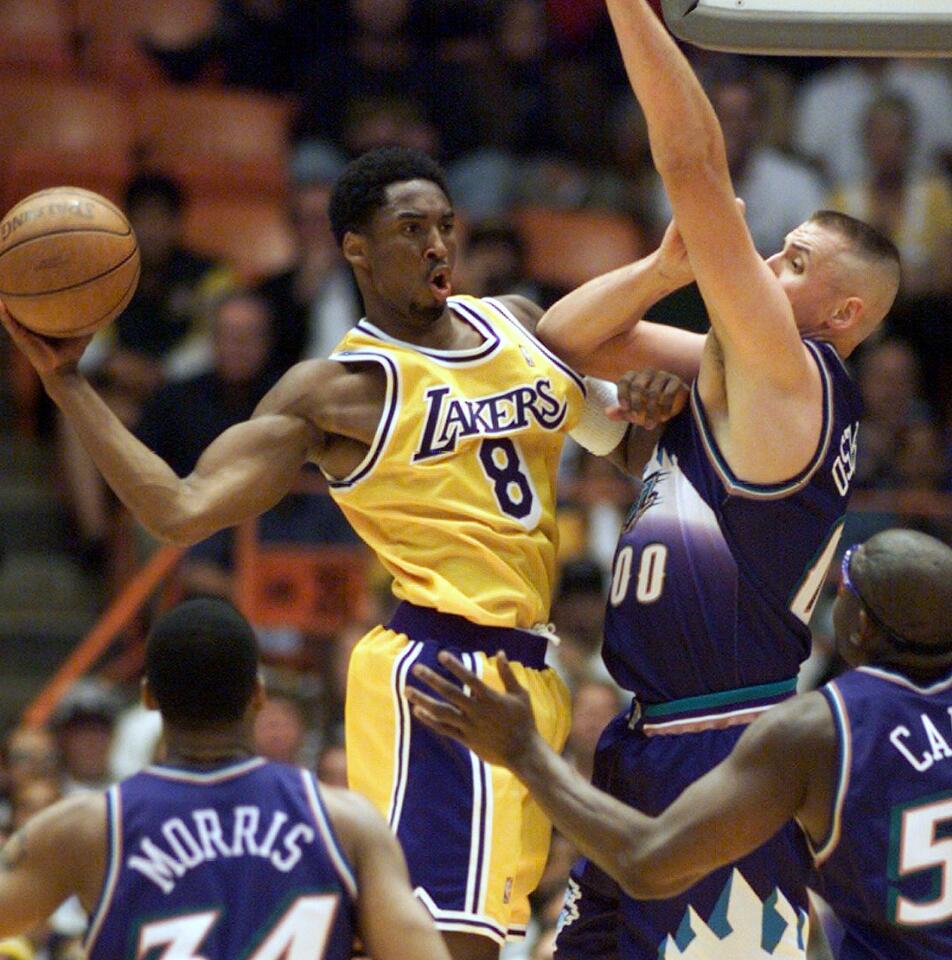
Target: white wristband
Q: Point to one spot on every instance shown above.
(594, 431)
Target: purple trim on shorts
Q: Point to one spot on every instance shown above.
(457, 633)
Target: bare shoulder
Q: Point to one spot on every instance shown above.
(523, 309)
(355, 819)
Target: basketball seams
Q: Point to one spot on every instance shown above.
(64, 230)
(72, 286)
(88, 194)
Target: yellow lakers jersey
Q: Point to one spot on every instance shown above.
(457, 492)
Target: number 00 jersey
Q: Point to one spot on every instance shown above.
(886, 866)
(457, 493)
(714, 579)
(234, 863)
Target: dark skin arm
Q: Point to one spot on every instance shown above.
(58, 853)
(393, 924)
(782, 767)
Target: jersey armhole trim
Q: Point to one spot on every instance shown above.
(533, 338)
(841, 721)
(322, 819)
(388, 418)
(113, 864)
(768, 491)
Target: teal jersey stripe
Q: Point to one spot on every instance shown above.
(725, 698)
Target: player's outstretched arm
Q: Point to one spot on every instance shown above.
(598, 328)
(749, 311)
(59, 852)
(776, 772)
(242, 473)
(393, 924)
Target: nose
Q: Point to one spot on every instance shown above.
(436, 245)
(774, 263)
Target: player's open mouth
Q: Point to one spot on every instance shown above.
(440, 283)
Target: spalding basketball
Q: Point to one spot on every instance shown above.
(69, 261)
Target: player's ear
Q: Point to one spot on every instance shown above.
(354, 248)
(259, 695)
(847, 314)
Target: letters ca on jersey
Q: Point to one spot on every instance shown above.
(451, 418)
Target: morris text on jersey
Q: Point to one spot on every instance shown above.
(450, 419)
(180, 846)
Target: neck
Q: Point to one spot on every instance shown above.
(229, 743)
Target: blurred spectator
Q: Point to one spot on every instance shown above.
(578, 613)
(332, 764)
(28, 754)
(890, 383)
(279, 730)
(16, 948)
(913, 208)
(828, 121)
(33, 796)
(267, 45)
(315, 301)
(780, 192)
(136, 742)
(161, 335)
(185, 416)
(594, 704)
(493, 262)
(84, 722)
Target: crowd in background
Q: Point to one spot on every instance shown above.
(525, 103)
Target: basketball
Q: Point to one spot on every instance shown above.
(69, 261)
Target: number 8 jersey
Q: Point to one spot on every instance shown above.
(457, 493)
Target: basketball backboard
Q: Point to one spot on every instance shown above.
(906, 28)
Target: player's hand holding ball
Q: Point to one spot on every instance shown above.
(69, 264)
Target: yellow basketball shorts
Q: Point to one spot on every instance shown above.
(476, 843)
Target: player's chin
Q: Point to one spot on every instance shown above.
(427, 313)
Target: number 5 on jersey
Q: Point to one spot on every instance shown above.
(649, 578)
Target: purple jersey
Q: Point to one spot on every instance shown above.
(886, 865)
(714, 579)
(238, 862)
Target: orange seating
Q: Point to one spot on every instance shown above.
(35, 37)
(564, 248)
(61, 132)
(111, 32)
(254, 236)
(217, 143)
(317, 589)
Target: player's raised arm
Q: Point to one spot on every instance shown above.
(246, 470)
(598, 328)
(393, 924)
(781, 768)
(749, 311)
(57, 853)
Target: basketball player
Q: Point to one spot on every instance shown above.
(214, 852)
(438, 421)
(721, 559)
(864, 765)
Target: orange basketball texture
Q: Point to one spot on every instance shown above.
(69, 261)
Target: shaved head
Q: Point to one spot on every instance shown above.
(906, 579)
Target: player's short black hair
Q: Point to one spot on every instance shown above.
(154, 186)
(201, 663)
(868, 242)
(361, 189)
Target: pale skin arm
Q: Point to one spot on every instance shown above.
(768, 375)
(58, 853)
(393, 924)
(246, 470)
(598, 327)
(782, 767)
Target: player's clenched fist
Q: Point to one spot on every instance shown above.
(649, 398)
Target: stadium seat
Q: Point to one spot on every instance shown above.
(62, 132)
(35, 37)
(564, 248)
(111, 32)
(218, 143)
(254, 236)
(316, 589)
